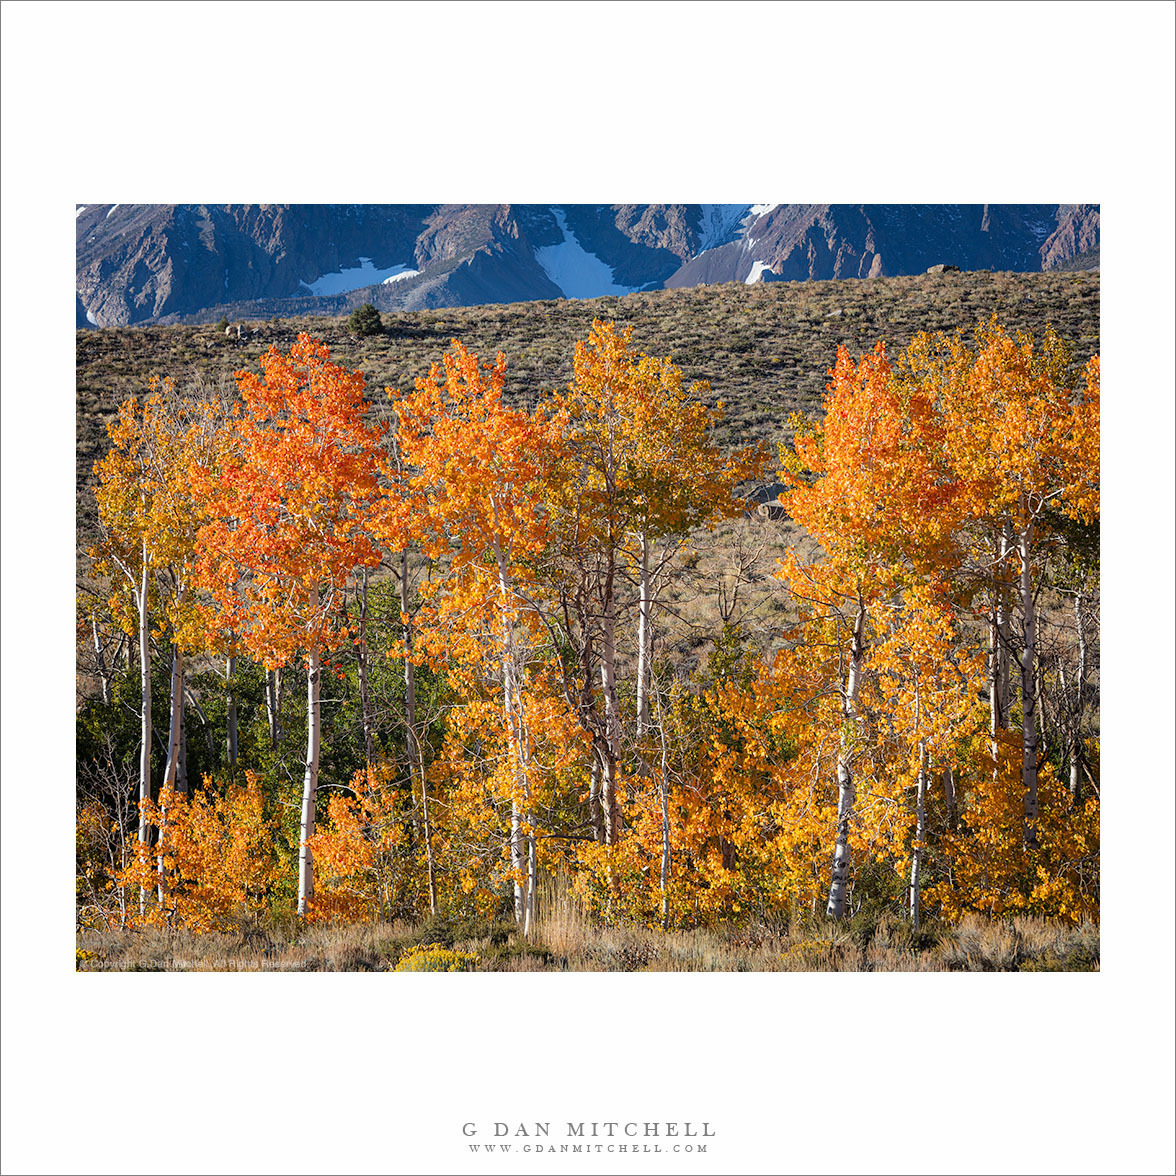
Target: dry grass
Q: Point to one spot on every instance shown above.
(567, 939)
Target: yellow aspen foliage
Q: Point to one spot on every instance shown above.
(216, 856)
(987, 869)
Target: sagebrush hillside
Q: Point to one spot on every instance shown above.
(764, 349)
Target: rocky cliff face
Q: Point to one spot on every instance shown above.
(799, 242)
(166, 263)
(140, 263)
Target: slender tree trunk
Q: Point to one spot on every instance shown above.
(361, 659)
(612, 718)
(995, 721)
(595, 810)
(414, 753)
(512, 717)
(839, 883)
(588, 719)
(949, 796)
(644, 639)
(100, 660)
(1028, 687)
(920, 834)
(1042, 717)
(1077, 748)
(416, 758)
(430, 866)
(531, 902)
(1004, 627)
(209, 742)
(145, 712)
(664, 791)
(273, 704)
(310, 781)
(176, 707)
(231, 707)
(516, 860)
(172, 766)
(995, 689)
(182, 765)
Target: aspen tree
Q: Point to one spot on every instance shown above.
(480, 468)
(287, 527)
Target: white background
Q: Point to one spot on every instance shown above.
(586, 102)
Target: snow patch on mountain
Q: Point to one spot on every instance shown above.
(112, 208)
(758, 210)
(1040, 228)
(79, 212)
(720, 224)
(757, 269)
(404, 273)
(355, 278)
(578, 273)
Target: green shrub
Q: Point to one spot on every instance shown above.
(366, 320)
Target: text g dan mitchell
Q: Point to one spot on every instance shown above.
(608, 1129)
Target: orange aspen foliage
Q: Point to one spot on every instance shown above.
(289, 506)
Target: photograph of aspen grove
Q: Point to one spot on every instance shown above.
(726, 627)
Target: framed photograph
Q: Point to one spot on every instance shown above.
(679, 624)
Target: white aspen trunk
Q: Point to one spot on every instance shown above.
(209, 742)
(612, 719)
(531, 901)
(516, 860)
(644, 639)
(839, 882)
(595, 811)
(599, 754)
(361, 659)
(409, 667)
(949, 796)
(430, 867)
(518, 849)
(1042, 718)
(1004, 628)
(182, 764)
(920, 833)
(271, 704)
(100, 661)
(310, 781)
(172, 766)
(416, 758)
(176, 706)
(1028, 687)
(1077, 750)
(145, 714)
(995, 720)
(664, 791)
(231, 708)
